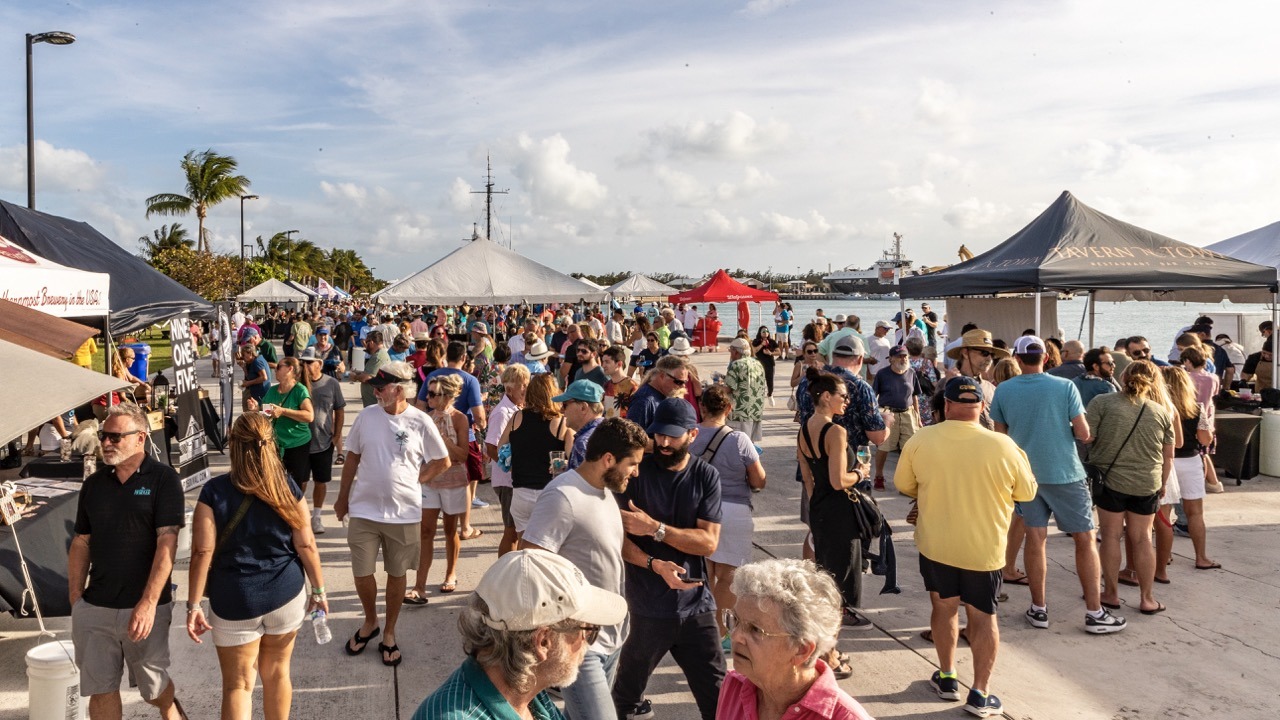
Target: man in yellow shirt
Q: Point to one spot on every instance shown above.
(966, 479)
(84, 354)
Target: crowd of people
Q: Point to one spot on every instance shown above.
(626, 483)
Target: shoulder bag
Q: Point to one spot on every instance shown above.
(226, 533)
(1097, 476)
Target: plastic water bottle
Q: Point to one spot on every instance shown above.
(320, 623)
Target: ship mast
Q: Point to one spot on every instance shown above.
(897, 247)
(488, 193)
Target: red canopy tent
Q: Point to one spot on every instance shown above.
(721, 288)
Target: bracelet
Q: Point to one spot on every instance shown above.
(649, 564)
(317, 590)
(193, 606)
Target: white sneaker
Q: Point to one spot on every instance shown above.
(317, 526)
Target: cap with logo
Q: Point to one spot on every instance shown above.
(897, 351)
(531, 589)
(963, 389)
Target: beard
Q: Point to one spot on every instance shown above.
(670, 457)
(563, 665)
(112, 457)
(615, 480)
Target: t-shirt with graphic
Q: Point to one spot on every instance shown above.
(392, 449)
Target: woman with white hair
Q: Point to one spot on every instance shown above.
(787, 615)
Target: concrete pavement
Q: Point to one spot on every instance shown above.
(1211, 654)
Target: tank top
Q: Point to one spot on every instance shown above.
(531, 447)
(1190, 444)
(819, 465)
(456, 475)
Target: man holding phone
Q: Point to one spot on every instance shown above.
(671, 514)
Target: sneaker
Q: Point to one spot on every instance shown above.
(853, 619)
(1181, 531)
(478, 503)
(726, 645)
(317, 526)
(983, 705)
(947, 688)
(1108, 623)
(643, 710)
(879, 483)
(1037, 618)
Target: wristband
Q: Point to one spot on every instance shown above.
(649, 564)
(317, 590)
(192, 607)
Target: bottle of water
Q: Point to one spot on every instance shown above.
(320, 623)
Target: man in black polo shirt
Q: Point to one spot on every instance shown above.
(671, 513)
(126, 534)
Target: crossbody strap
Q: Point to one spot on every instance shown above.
(714, 446)
(1126, 438)
(235, 520)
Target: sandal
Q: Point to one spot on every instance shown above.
(1159, 608)
(927, 635)
(448, 586)
(1127, 579)
(843, 670)
(415, 597)
(363, 642)
(1020, 580)
(340, 459)
(1210, 566)
(475, 533)
(387, 650)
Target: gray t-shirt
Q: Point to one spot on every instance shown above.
(372, 363)
(735, 455)
(582, 524)
(326, 396)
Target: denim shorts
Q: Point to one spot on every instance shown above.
(1069, 503)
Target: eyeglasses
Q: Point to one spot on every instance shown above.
(116, 437)
(676, 380)
(753, 631)
(589, 632)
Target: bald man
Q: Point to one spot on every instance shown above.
(1072, 365)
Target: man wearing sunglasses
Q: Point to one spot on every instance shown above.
(666, 380)
(126, 535)
(1137, 348)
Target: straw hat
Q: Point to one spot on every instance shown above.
(537, 351)
(977, 340)
(680, 347)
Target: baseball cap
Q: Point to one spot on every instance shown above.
(674, 417)
(849, 346)
(396, 372)
(584, 390)
(897, 351)
(883, 324)
(529, 589)
(1028, 345)
(963, 389)
(251, 332)
(741, 345)
(322, 330)
(309, 355)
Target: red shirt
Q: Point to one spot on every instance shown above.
(824, 700)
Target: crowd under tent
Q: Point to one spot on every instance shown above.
(485, 273)
(139, 295)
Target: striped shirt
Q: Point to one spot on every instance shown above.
(468, 694)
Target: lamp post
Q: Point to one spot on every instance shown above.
(244, 274)
(289, 241)
(55, 37)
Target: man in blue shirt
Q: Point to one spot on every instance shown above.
(1044, 415)
(584, 411)
(1099, 376)
(671, 513)
(667, 379)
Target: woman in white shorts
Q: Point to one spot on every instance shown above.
(253, 550)
(446, 493)
(1196, 425)
(741, 474)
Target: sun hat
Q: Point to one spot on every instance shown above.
(849, 346)
(963, 389)
(481, 328)
(530, 589)
(582, 390)
(1028, 345)
(977, 340)
(421, 337)
(673, 417)
(537, 351)
(680, 347)
(839, 318)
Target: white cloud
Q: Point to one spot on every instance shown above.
(973, 213)
(784, 228)
(460, 195)
(553, 183)
(683, 188)
(57, 169)
(940, 104)
(924, 193)
(761, 8)
(754, 181)
(718, 226)
(388, 223)
(736, 137)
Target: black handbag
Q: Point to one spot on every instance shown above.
(1097, 476)
(867, 518)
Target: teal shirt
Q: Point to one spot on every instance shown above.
(1038, 409)
(468, 694)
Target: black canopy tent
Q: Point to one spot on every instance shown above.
(1072, 247)
(140, 295)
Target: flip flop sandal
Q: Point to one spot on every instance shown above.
(475, 533)
(1111, 606)
(413, 597)
(1215, 566)
(1165, 581)
(1125, 580)
(448, 586)
(1018, 581)
(1159, 608)
(340, 459)
(363, 642)
(927, 635)
(844, 671)
(387, 650)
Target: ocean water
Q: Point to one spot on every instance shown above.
(1157, 321)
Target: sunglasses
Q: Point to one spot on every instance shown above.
(983, 353)
(116, 437)
(1141, 353)
(810, 352)
(589, 632)
(434, 394)
(676, 380)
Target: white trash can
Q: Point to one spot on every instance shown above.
(1269, 444)
(54, 682)
(183, 551)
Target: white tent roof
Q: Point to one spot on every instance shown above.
(1261, 246)
(62, 386)
(302, 288)
(32, 281)
(485, 272)
(641, 286)
(595, 285)
(271, 291)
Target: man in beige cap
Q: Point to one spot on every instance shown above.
(745, 380)
(530, 604)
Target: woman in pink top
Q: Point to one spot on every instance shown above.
(1206, 385)
(787, 615)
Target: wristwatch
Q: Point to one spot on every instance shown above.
(661, 532)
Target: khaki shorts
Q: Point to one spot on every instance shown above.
(103, 648)
(399, 543)
(904, 426)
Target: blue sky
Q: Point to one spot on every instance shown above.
(656, 136)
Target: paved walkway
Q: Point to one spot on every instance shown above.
(1213, 653)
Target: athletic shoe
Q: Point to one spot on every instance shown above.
(983, 705)
(1038, 618)
(947, 688)
(1181, 531)
(879, 483)
(1108, 623)
(478, 503)
(642, 711)
(317, 527)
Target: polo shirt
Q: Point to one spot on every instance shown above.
(469, 694)
(121, 520)
(824, 700)
(679, 499)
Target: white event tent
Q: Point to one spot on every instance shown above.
(483, 272)
(32, 281)
(640, 287)
(272, 291)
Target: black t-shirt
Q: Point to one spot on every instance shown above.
(595, 375)
(931, 330)
(121, 520)
(679, 499)
(342, 335)
(1251, 364)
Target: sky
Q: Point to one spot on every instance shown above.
(663, 136)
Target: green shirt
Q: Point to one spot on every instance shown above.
(745, 380)
(1138, 465)
(268, 352)
(468, 694)
(289, 433)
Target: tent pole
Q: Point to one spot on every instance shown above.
(1092, 315)
(1275, 322)
(1036, 324)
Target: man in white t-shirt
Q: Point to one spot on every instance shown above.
(392, 450)
(237, 321)
(878, 347)
(577, 517)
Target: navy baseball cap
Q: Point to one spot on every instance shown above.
(963, 389)
(673, 418)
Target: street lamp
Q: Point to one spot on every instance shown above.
(289, 241)
(55, 37)
(243, 270)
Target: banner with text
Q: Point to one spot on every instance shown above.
(191, 462)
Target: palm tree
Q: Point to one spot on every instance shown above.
(210, 180)
(164, 238)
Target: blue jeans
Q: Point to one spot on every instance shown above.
(590, 696)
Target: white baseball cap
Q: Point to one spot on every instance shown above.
(1028, 345)
(529, 589)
